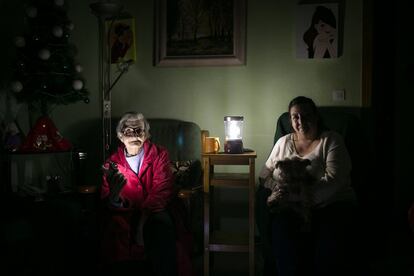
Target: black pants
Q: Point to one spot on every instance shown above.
(160, 250)
(159, 239)
(327, 249)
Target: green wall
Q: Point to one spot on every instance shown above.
(259, 91)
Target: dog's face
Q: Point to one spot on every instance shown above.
(293, 170)
(293, 187)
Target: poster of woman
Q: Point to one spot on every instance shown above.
(317, 31)
(122, 40)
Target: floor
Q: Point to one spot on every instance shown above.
(58, 253)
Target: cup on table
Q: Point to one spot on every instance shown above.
(211, 144)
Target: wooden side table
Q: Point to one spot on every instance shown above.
(215, 241)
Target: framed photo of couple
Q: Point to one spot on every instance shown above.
(212, 34)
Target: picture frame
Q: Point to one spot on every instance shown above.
(183, 39)
(120, 33)
(318, 31)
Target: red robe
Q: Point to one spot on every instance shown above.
(152, 190)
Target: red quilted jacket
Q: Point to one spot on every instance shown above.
(152, 190)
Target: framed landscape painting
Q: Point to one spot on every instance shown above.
(200, 33)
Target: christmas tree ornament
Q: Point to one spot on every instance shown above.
(16, 86)
(77, 84)
(57, 31)
(45, 65)
(13, 137)
(31, 12)
(78, 68)
(70, 26)
(59, 2)
(20, 65)
(86, 100)
(44, 54)
(19, 41)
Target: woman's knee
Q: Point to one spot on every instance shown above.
(159, 220)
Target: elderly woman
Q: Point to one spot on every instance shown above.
(137, 188)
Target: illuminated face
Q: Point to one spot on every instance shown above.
(303, 119)
(325, 29)
(133, 135)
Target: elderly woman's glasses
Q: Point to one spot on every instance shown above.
(132, 132)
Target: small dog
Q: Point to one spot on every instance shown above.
(292, 190)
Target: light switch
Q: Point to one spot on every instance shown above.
(338, 95)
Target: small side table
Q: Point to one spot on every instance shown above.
(214, 241)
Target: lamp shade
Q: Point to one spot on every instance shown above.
(233, 129)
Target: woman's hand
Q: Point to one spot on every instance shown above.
(116, 181)
(325, 42)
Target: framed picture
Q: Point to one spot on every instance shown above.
(317, 31)
(200, 33)
(121, 39)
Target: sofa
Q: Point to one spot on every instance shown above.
(181, 138)
(345, 121)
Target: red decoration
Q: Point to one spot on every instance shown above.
(45, 137)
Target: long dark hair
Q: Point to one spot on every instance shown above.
(321, 13)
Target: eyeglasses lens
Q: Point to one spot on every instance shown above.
(130, 132)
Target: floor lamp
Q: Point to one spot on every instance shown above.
(106, 11)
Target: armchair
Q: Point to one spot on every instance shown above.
(183, 141)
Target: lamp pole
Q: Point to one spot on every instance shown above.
(105, 10)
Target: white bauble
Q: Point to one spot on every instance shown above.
(70, 26)
(77, 84)
(57, 31)
(31, 12)
(78, 68)
(59, 2)
(44, 54)
(20, 41)
(16, 86)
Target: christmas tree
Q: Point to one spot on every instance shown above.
(46, 73)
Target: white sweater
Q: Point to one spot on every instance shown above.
(330, 165)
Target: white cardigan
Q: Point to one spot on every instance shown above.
(330, 165)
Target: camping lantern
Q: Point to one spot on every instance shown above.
(233, 129)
